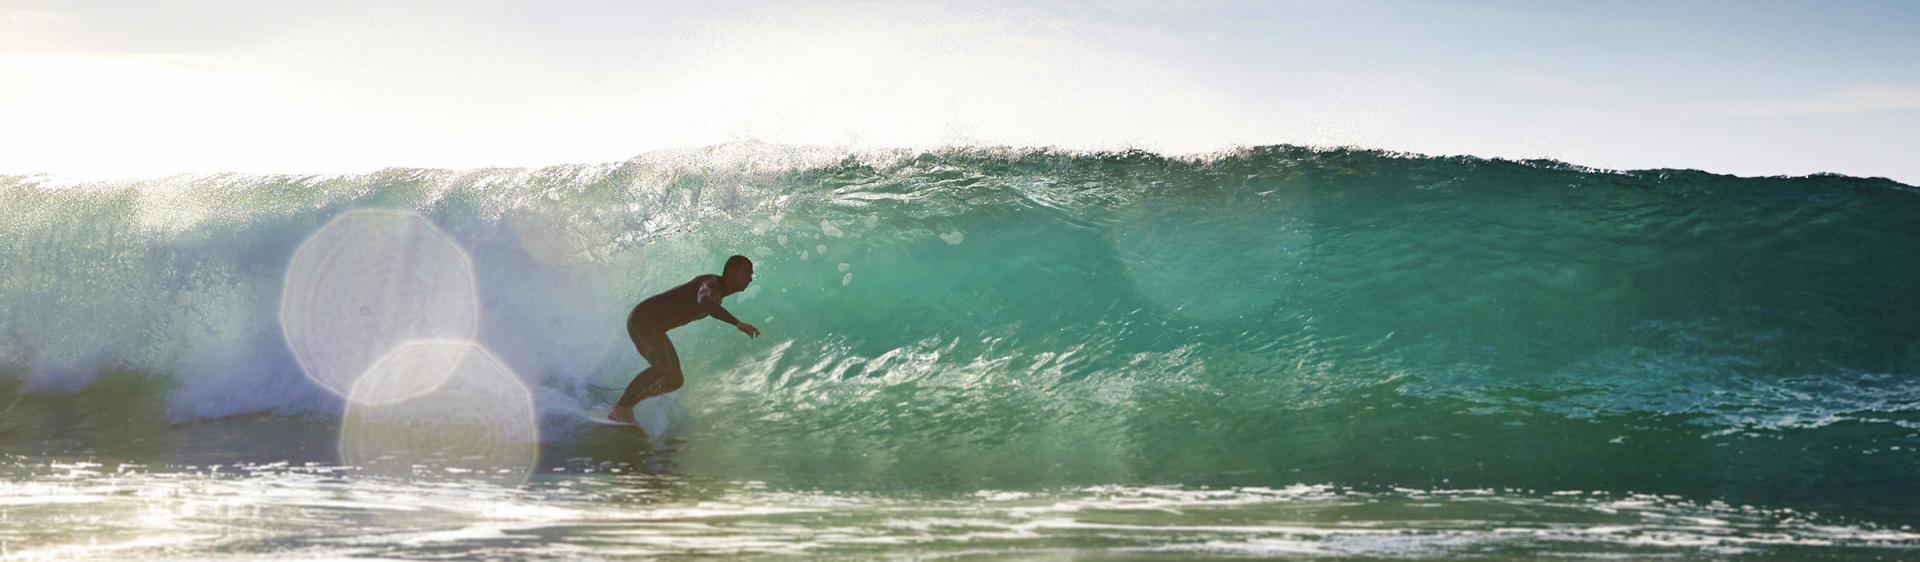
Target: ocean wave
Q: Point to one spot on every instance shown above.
(988, 311)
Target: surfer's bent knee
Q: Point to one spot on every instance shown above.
(671, 380)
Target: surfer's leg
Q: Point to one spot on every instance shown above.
(662, 374)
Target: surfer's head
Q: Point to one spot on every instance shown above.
(738, 273)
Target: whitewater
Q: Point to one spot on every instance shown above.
(969, 353)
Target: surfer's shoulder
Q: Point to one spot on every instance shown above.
(706, 286)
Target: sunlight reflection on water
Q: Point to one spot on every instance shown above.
(277, 511)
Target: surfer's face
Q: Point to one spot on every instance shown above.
(738, 278)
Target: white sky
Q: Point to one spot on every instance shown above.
(106, 89)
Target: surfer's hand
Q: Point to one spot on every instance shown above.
(748, 329)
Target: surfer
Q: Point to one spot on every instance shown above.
(650, 320)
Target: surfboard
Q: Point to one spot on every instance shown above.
(653, 416)
(602, 420)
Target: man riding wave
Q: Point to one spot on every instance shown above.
(650, 320)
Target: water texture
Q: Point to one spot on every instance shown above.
(993, 352)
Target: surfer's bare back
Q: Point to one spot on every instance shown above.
(650, 320)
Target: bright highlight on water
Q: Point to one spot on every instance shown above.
(968, 354)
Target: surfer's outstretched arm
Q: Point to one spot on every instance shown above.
(711, 303)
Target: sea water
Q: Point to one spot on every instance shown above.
(967, 354)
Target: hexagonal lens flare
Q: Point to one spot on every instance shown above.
(367, 281)
(478, 423)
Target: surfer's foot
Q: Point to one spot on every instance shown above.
(622, 415)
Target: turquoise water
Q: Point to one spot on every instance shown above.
(974, 354)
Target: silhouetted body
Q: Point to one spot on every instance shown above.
(650, 320)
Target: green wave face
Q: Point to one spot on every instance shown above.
(1027, 319)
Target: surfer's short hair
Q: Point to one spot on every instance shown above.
(737, 261)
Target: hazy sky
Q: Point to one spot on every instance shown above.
(100, 89)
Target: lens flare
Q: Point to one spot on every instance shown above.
(479, 423)
(421, 369)
(367, 281)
